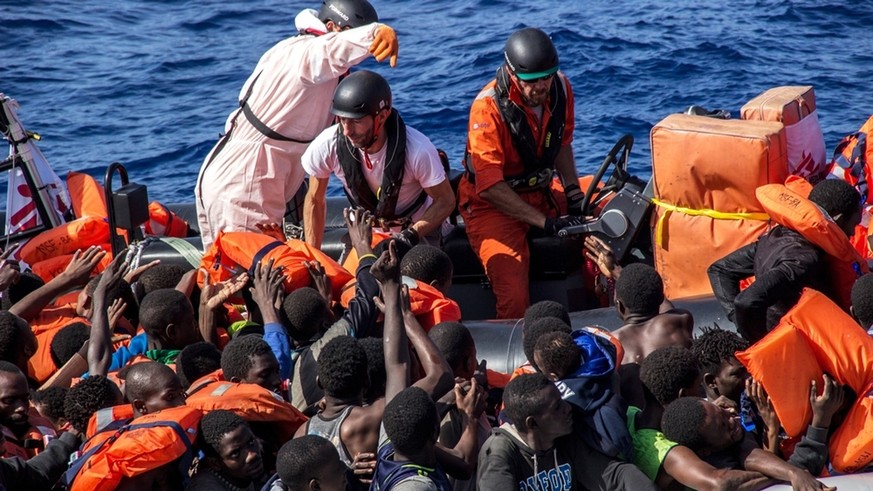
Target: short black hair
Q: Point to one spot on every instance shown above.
(140, 378)
(87, 397)
(558, 353)
(835, 196)
(400, 247)
(410, 420)
(68, 341)
(862, 300)
(454, 341)
(11, 338)
(546, 308)
(28, 282)
(534, 330)
(640, 288)
(304, 312)
(376, 375)
(716, 346)
(213, 427)
(239, 354)
(427, 263)
(521, 398)
(9, 367)
(162, 276)
(668, 369)
(52, 400)
(197, 360)
(161, 308)
(342, 367)
(682, 420)
(299, 459)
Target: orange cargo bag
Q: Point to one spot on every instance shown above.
(794, 106)
(705, 172)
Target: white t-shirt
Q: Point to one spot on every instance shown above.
(423, 166)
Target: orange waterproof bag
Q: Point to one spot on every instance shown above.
(705, 172)
(148, 442)
(794, 106)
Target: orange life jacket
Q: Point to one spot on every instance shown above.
(816, 337)
(34, 441)
(852, 161)
(41, 366)
(164, 223)
(65, 239)
(428, 304)
(146, 443)
(251, 402)
(200, 383)
(338, 275)
(107, 418)
(791, 209)
(86, 195)
(235, 252)
(49, 268)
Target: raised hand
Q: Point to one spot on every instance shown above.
(10, 270)
(601, 254)
(320, 280)
(359, 222)
(829, 402)
(471, 400)
(134, 274)
(214, 295)
(267, 291)
(387, 268)
(79, 270)
(272, 229)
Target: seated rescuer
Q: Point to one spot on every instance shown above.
(520, 133)
(385, 166)
(783, 262)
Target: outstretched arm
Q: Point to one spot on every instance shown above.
(438, 378)
(685, 466)
(386, 270)
(100, 338)
(440, 209)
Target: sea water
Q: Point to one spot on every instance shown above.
(150, 83)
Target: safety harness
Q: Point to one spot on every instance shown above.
(384, 202)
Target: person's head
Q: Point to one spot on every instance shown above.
(151, 387)
(546, 308)
(362, 103)
(197, 360)
(700, 425)
(534, 406)
(28, 282)
(411, 421)
(50, 404)
(121, 290)
(339, 15)
(532, 62)
(376, 376)
(14, 396)
(430, 265)
(556, 355)
(638, 291)
(305, 313)
(88, 396)
(723, 374)
(401, 247)
(17, 342)
(533, 331)
(671, 372)
(840, 200)
(231, 449)
(250, 360)
(455, 342)
(862, 301)
(160, 277)
(311, 463)
(68, 341)
(168, 317)
(342, 368)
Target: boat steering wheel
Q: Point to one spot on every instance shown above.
(618, 158)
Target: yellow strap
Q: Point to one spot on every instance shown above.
(714, 214)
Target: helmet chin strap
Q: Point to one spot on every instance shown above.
(377, 129)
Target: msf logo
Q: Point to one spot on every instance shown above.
(339, 12)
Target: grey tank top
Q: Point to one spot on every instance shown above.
(330, 429)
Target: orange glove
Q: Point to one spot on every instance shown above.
(385, 44)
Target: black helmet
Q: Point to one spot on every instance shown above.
(361, 94)
(530, 54)
(352, 13)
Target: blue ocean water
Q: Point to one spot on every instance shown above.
(150, 82)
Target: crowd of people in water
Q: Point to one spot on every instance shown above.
(274, 367)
